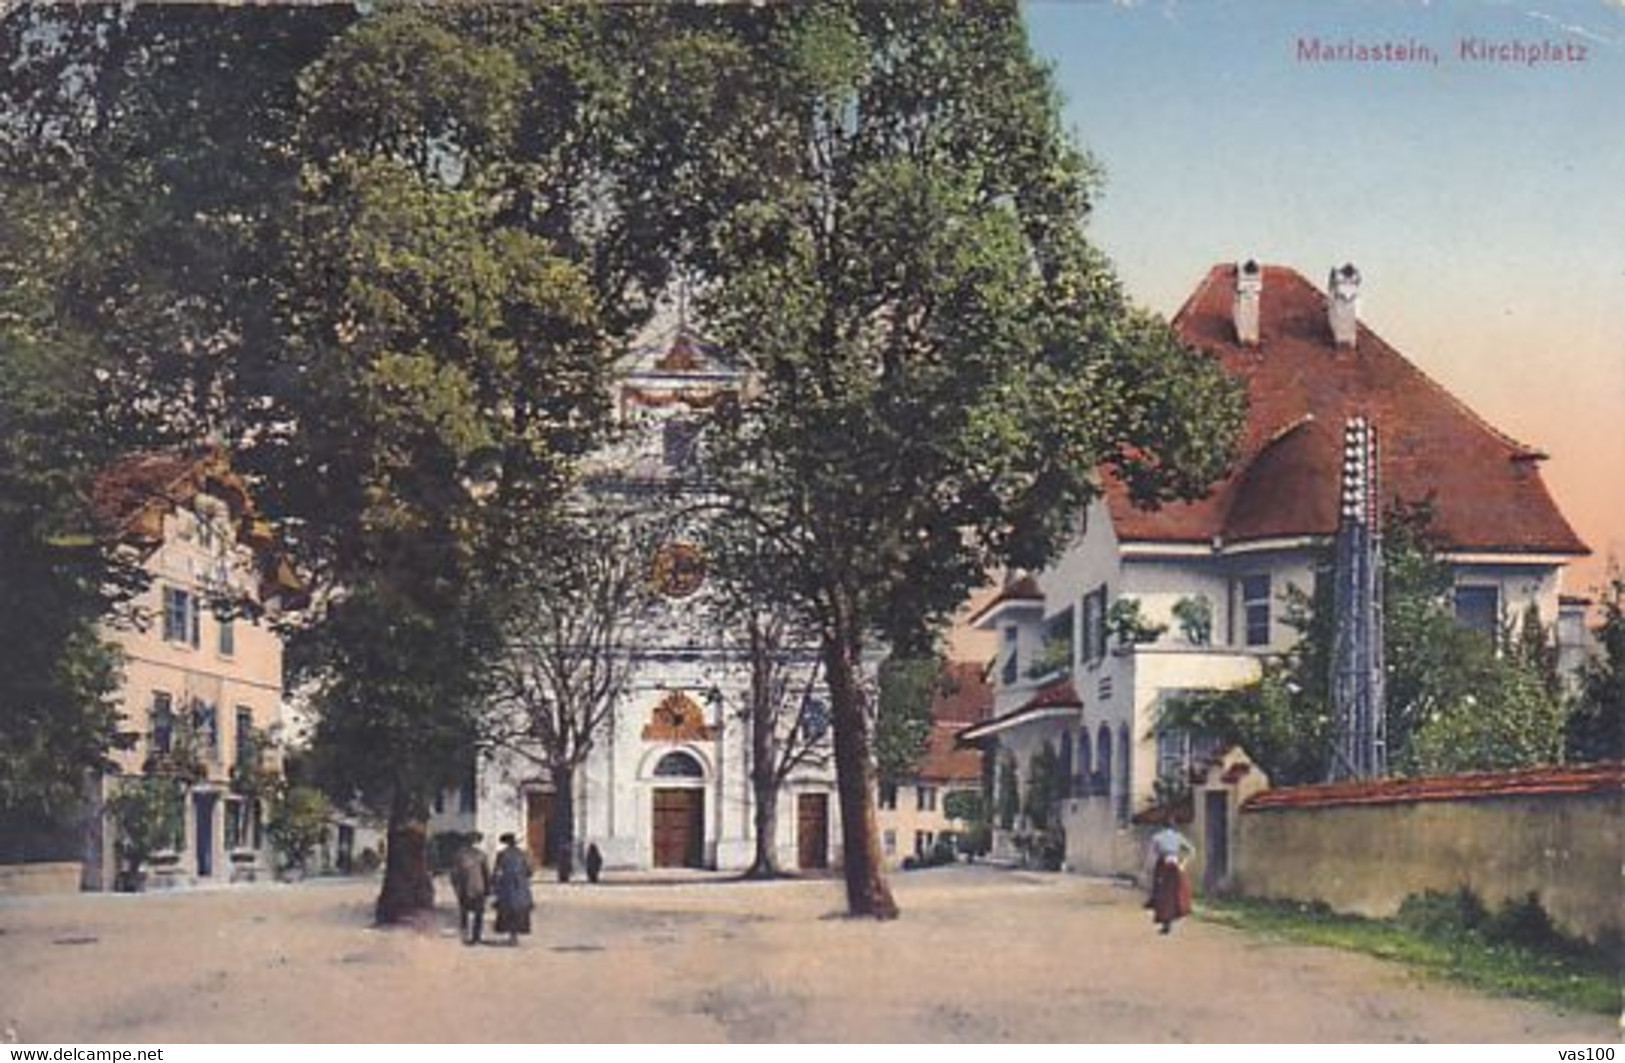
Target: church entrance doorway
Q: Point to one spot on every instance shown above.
(541, 828)
(679, 827)
(812, 831)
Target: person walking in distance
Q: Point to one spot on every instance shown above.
(1170, 886)
(471, 881)
(511, 886)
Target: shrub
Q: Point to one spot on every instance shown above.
(1443, 912)
(150, 816)
(976, 841)
(1525, 922)
(1195, 618)
(298, 824)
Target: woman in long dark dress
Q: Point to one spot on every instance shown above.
(511, 887)
(1170, 886)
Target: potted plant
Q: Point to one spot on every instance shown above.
(148, 814)
(1126, 621)
(298, 825)
(1195, 617)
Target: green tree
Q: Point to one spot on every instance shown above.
(299, 824)
(1454, 703)
(142, 161)
(940, 361)
(459, 259)
(160, 137)
(149, 815)
(60, 574)
(906, 687)
(1596, 726)
(966, 805)
(1045, 785)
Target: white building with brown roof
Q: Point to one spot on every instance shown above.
(1214, 575)
(202, 667)
(912, 813)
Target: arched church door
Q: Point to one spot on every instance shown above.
(679, 814)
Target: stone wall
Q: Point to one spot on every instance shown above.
(1364, 847)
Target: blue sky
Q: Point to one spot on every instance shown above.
(1484, 202)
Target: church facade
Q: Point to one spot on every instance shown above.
(667, 783)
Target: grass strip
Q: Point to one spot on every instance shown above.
(1576, 979)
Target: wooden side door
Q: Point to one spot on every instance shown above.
(540, 828)
(812, 831)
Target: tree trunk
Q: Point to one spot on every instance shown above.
(764, 756)
(407, 895)
(765, 817)
(866, 891)
(564, 810)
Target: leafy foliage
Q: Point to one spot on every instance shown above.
(966, 805)
(1126, 620)
(1596, 726)
(1454, 703)
(149, 814)
(460, 252)
(1195, 618)
(903, 715)
(940, 361)
(299, 824)
(1451, 936)
(1045, 787)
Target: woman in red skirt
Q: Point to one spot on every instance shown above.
(1170, 886)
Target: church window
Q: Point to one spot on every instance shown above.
(679, 766)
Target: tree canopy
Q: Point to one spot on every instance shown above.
(943, 365)
(1596, 729)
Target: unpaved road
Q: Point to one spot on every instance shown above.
(979, 955)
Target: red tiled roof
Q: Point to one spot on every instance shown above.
(1486, 488)
(963, 694)
(946, 761)
(131, 497)
(1024, 589)
(1057, 694)
(126, 491)
(1577, 779)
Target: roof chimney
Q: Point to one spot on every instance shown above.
(1249, 286)
(1343, 308)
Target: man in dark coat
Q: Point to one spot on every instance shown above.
(471, 880)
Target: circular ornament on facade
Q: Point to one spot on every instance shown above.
(678, 570)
